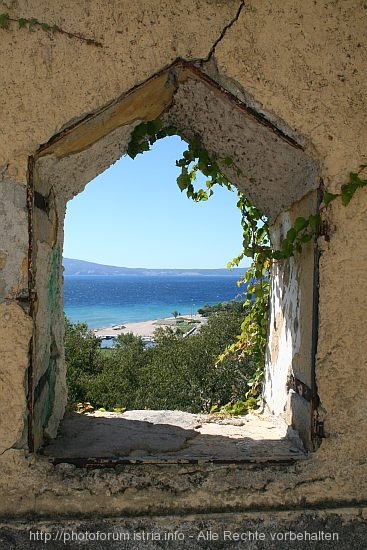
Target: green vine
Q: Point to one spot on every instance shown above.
(33, 23)
(256, 242)
(347, 190)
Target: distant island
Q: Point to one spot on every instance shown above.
(82, 268)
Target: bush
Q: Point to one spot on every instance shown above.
(82, 357)
(178, 373)
(223, 307)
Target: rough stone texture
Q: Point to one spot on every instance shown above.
(273, 173)
(306, 64)
(342, 338)
(254, 531)
(45, 490)
(169, 436)
(303, 67)
(75, 78)
(15, 334)
(69, 175)
(291, 331)
(13, 249)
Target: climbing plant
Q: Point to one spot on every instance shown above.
(256, 238)
(33, 23)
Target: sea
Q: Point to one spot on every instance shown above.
(103, 301)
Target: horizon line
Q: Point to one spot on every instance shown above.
(156, 268)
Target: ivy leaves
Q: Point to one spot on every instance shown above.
(255, 229)
(33, 23)
(347, 190)
(24, 23)
(256, 237)
(4, 20)
(302, 232)
(146, 134)
(195, 159)
(255, 232)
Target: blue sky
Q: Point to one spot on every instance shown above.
(134, 215)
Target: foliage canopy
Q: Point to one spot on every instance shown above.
(178, 373)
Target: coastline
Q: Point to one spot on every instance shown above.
(145, 328)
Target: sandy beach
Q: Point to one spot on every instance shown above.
(144, 328)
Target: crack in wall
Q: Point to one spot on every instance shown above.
(223, 33)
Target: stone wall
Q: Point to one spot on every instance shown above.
(301, 69)
(267, 165)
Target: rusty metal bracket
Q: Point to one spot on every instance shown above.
(299, 387)
(31, 293)
(40, 201)
(113, 462)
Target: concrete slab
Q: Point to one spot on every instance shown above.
(172, 436)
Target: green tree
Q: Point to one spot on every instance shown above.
(178, 373)
(82, 357)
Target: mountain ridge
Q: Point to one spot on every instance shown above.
(73, 267)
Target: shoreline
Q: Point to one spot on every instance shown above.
(144, 328)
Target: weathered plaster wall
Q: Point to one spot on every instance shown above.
(267, 166)
(306, 65)
(252, 530)
(14, 244)
(272, 172)
(132, 490)
(64, 78)
(303, 65)
(13, 377)
(291, 326)
(15, 324)
(341, 357)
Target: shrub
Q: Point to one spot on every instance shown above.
(178, 373)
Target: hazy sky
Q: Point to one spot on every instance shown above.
(134, 215)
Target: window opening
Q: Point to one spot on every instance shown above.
(52, 170)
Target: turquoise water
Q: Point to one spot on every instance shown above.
(105, 301)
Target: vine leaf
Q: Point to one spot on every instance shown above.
(256, 242)
(314, 221)
(329, 197)
(22, 22)
(4, 20)
(306, 238)
(33, 23)
(292, 234)
(300, 223)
